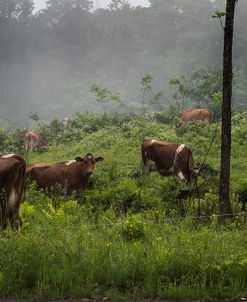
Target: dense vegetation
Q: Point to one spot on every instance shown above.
(159, 248)
(49, 60)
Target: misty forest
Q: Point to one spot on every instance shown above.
(110, 187)
(49, 60)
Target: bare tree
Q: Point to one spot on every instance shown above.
(224, 190)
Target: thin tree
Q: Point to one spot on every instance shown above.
(224, 189)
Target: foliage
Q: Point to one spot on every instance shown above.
(119, 4)
(12, 142)
(133, 228)
(168, 116)
(104, 93)
(154, 98)
(200, 87)
(52, 57)
(239, 120)
(218, 14)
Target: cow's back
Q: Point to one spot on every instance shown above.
(194, 115)
(47, 175)
(157, 151)
(7, 173)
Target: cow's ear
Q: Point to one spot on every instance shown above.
(100, 158)
(78, 158)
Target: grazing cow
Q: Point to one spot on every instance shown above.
(195, 115)
(71, 175)
(33, 139)
(12, 180)
(64, 122)
(168, 159)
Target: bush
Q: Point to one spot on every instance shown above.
(170, 116)
(239, 131)
(12, 142)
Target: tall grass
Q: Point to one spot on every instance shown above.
(64, 253)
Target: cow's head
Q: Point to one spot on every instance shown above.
(88, 163)
(206, 170)
(148, 167)
(194, 173)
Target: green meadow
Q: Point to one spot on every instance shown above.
(130, 237)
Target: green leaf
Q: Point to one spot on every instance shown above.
(218, 14)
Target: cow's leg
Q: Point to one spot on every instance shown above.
(142, 168)
(149, 166)
(3, 209)
(80, 196)
(4, 218)
(13, 209)
(65, 189)
(181, 171)
(181, 175)
(14, 217)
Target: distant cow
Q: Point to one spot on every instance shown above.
(195, 115)
(33, 139)
(12, 180)
(71, 175)
(168, 159)
(64, 122)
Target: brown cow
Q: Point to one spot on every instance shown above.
(71, 175)
(12, 180)
(168, 159)
(33, 139)
(195, 115)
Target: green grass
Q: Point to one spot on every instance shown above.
(94, 251)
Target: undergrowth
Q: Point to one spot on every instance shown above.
(132, 237)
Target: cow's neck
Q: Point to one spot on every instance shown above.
(76, 173)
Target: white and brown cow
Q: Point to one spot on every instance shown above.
(64, 122)
(168, 159)
(12, 181)
(70, 175)
(33, 139)
(195, 115)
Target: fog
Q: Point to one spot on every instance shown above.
(40, 4)
(49, 59)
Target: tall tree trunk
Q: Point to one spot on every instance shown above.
(224, 190)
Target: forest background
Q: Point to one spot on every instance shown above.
(49, 59)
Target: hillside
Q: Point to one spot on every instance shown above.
(159, 249)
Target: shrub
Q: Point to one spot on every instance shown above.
(170, 116)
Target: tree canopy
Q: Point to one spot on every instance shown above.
(50, 59)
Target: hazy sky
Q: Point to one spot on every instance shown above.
(100, 3)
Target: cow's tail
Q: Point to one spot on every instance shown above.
(212, 117)
(144, 158)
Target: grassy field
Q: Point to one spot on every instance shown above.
(160, 248)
